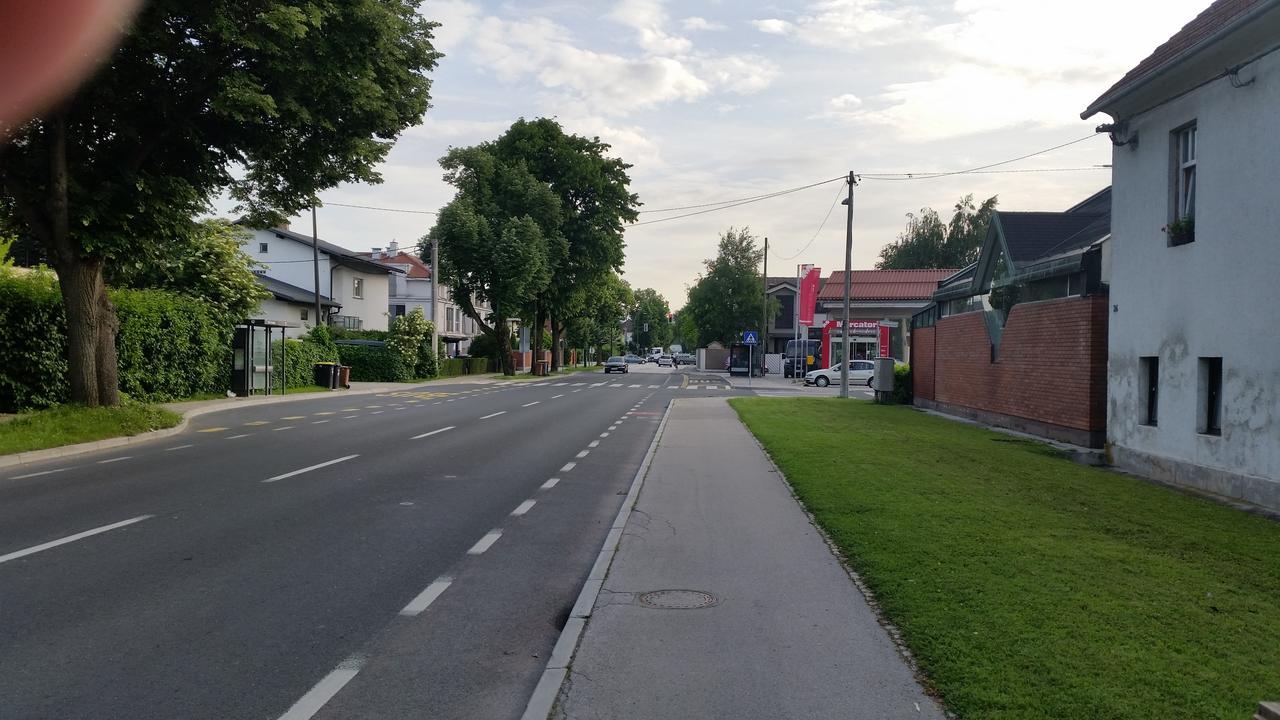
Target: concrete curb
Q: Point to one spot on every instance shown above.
(543, 700)
(35, 456)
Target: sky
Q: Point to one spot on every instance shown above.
(714, 100)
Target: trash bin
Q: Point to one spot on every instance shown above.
(544, 367)
(344, 376)
(326, 375)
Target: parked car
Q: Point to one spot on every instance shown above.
(633, 359)
(685, 359)
(666, 361)
(617, 363)
(859, 371)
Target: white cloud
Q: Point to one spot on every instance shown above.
(698, 24)
(849, 24)
(774, 26)
(456, 18)
(647, 18)
(742, 74)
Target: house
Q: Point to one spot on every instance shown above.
(782, 327)
(875, 295)
(358, 287)
(1193, 373)
(1019, 338)
(291, 305)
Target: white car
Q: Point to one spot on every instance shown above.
(665, 361)
(860, 371)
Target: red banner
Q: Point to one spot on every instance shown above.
(809, 295)
(884, 341)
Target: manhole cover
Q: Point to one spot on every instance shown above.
(678, 599)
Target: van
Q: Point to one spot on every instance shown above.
(795, 358)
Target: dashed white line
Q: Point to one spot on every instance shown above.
(550, 483)
(604, 434)
(237, 437)
(308, 705)
(433, 432)
(594, 443)
(524, 507)
(613, 427)
(286, 427)
(428, 596)
(553, 397)
(176, 447)
(72, 538)
(583, 454)
(493, 415)
(485, 543)
(578, 390)
(653, 387)
(50, 472)
(115, 459)
(348, 417)
(561, 384)
(319, 422)
(635, 386)
(377, 412)
(568, 466)
(535, 402)
(309, 469)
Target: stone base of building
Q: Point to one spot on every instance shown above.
(1074, 436)
(1264, 492)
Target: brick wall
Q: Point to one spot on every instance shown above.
(1051, 366)
(922, 367)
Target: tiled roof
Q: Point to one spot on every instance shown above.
(891, 285)
(1216, 17)
(339, 255)
(418, 268)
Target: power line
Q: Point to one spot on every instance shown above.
(980, 168)
(738, 203)
(745, 199)
(383, 209)
(839, 194)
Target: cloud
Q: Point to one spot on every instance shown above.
(697, 24)
(774, 26)
(850, 24)
(647, 18)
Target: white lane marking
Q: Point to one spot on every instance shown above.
(309, 469)
(433, 432)
(319, 422)
(653, 387)
(308, 705)
(535, 402)
(612, 428)
(50, 472)
(583, 454)
(604, 434)
(237, 437)
(348, 417)
(493, 415)
(553, 397)
(635, 386)
(485, 543)
(72, 538)
(524, 507)
(597, 384)
(579, 384)
(115, 459)
(550, 483)
(451, 399)
(594, 443)
(568, 466)
(428, 596)
(578, 390)
(286, 427)
(179, 447)
(377, 412)
(561, 384)
(616, 385)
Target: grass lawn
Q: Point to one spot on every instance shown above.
(70, 424)
(1031, 587)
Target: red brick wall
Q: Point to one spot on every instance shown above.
(1051, 366)
(922, 354)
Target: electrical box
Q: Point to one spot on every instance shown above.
(882, 380)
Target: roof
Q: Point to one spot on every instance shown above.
(892, 285)
(340, 255)
(1221, 16)
(418, 268)
(291, 293)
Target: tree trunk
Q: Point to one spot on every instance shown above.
(504, 346)
(557, 351)
(539, 320)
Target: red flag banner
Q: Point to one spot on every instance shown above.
(809, 295)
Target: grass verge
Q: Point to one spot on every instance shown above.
(71, 424)
(1031, 587)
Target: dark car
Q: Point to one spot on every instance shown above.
(634, 360)
(616, 364)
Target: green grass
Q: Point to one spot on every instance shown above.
(70, 424)
(1031, 587)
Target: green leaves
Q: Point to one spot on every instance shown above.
(928, 242)
(729, 297)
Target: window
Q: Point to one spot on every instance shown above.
(448, 314)
(304, 313)
(1181, 227)
(397, 310)
(786, 312)
(262, 248)
(1210, 396)
(357, 288)
(1149, 389)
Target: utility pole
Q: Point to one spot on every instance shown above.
(764, 323)
(435, 297)
(848, 286)
(315, 260)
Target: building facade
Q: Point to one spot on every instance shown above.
(1194, 356)
(875, 295)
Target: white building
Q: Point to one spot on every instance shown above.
(291, 305)
(358, 287)
(1194, 354)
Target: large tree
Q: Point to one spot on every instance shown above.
(496, 238)
(728, 297)
(271, 101)
(596, 318)
(649, 317)
(928, 242)
(595, 202)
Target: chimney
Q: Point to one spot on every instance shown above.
(377, 253)
(393, 248)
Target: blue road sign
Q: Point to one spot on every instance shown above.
(750, 337)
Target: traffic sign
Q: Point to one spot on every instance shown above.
(750, 337)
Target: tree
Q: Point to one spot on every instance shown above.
(685, 332)
(495, 238)
(206, 262)
(728, 298)
(599, 312)
(271, 101)
(649, 317)
(594, 203)
(929, 243)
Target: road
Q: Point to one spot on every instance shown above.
(413, 554)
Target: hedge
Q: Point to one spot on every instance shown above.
(477, 366)
(453, 367)
(169, 346)
(302, 355)
(374, 363)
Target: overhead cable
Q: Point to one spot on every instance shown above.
(839, 194)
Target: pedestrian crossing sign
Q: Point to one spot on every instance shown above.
(750, 337)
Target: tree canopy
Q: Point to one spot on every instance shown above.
(728, 298)
(271, 101)
(929, 243)
(651, 327)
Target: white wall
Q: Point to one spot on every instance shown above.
(1217, 296)
(372, 307)
(288, 260)
(280, 311)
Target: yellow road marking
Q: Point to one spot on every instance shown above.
(217, 429)
(294, 417)
(257, 422)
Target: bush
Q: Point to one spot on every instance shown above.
(426, 367)
(374, 363)
(453, 367)
(484, 346)
(477, 366)
(33, 342)
(902, 384)
(341, 333)
(301, 357)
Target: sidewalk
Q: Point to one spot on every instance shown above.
(788, 634)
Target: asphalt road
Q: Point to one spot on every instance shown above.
(414, 554)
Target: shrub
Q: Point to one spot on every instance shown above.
(341, 333)
(298, 357)
(484, 346)
(426, 367)
(453, 367)
(33, 341)
(374, 363)
(902, 384)
(477, 366)
(170, 346)
(408, 332)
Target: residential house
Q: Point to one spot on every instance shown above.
(291, 305)
(1019, 339)
(782, 327)
(358, 287)
(1193, 377)
(875, 295)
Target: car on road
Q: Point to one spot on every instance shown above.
(633, 359)
(617, 363)
(685, 359)
(860, 371)
(666, 361)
